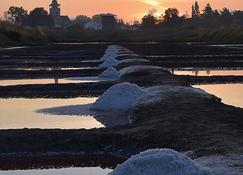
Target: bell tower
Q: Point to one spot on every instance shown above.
(55, 10)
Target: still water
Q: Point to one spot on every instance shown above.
(231, 94)
(209, 72)
(63, 171)
(21, 113)
(44, 81)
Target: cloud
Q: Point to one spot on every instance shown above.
(152, 2)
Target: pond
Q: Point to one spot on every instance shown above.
(22, 113)
(209, 72)
(231, 94)
(46, 81)
(62, 171)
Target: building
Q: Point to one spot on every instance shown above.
(108, 22)
(40, 17)
(55, 12)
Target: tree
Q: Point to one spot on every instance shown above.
(81, 20)
(195, 10)
(208, 11)
(149, 20)
(39, 12)
(97, 18)
(225, 12)
(171, 14)
(39, 17)
(238, 17)
(16, 14)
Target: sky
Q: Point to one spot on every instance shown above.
(129, 10)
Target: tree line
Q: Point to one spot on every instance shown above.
(207, 17)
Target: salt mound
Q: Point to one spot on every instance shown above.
(117, 49)
(113, 48)
(110, 73)
(108, 55)
(159, 162)
(170, 92)
(134, 60)
(139, 68)
(120, 97)
(109, 62)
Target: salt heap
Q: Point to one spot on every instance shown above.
(139, 68)
(116, 49)
(113, 48)
(159, 162)
(110, 73)
(120, 97)
(109, 62)
(108, 55)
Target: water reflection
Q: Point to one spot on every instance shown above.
(60, 164)
(208, 72)
(62, 171)
(107, 119)
(55, 161)
(231, 94)
(45, 81)
(21, 113)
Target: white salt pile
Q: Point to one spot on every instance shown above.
(108, 55)
(116, 49)
(159, 162)
(113, 48)
(109, 62)
(134, 60)
(165, 92)
(139, 68)
(120, 97)
(110, 73)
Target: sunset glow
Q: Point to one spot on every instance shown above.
(126, 9)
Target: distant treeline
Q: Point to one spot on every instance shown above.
(208, 18)
(207, 25)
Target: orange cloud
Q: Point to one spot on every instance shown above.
(126, 9)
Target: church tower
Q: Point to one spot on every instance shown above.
(55, 10)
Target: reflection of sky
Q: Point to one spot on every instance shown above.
(126, 9)
(209, 72)
(64, 171)
(231, 94)
(21, 113)
(42, 81)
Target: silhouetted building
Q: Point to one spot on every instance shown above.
(108, 22)
(40, 17)
(55, 12)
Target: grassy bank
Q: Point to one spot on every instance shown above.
(11, 34)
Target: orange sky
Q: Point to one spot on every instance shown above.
(126, 9)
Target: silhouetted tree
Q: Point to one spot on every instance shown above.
(39, 17)
(149, 20)
(97, 18)
(208, 11)
(225, 12)
(39, 12)
(195, 10)
(238, 17)
(171, 14)
(16, 14)
(81, 20)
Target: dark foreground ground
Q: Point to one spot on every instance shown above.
(180, 122)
